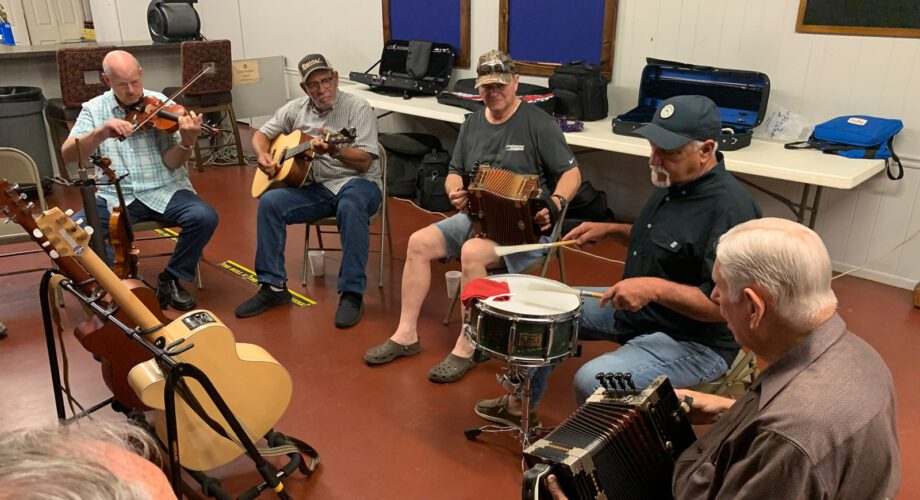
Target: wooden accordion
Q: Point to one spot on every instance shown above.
(621, 443)
(503, 204)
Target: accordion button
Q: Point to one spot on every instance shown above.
(667, 198)
(635, 252)
(649, 226)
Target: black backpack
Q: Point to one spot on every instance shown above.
(431, 193)
(580, 90)
(404, 160)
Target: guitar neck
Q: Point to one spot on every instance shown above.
(126, 300)
(297, 150)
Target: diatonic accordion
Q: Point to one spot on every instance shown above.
(503, 205)
(621, 444)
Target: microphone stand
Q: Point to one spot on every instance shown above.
(88, 193)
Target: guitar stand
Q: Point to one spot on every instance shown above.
(525, 433)
(176, 373)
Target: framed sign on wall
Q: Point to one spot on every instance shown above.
(895, 18)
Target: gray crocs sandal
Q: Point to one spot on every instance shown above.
(451, 369)
(389, 350)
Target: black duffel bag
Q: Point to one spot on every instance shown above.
(432, 194)
(580, 90)
(589, 204)
(405, 152)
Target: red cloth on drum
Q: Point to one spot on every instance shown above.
(482, 288)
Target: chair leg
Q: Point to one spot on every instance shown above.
(384, 234)
(236, 134)
(453, 305)
(198, 165)
(198, 275)
(306, 254)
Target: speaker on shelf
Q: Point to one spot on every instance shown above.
(173, 21)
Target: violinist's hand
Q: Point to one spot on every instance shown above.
(190, 127)
(459, 199)
(268, 165)
(116, 128)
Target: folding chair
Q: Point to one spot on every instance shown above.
(384, 232)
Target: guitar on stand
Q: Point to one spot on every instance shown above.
(294, 153)
(255, 387)
(116, 352)
(121, 232)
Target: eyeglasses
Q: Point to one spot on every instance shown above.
(325, 82)
(494, 67)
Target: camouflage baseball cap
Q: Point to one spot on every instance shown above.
(495, 67)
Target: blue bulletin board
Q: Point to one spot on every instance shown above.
(539, 34)
(442, 21)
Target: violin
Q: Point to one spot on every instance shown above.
(121, 233)
(151, 113)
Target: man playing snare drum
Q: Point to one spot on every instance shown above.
(660, 312)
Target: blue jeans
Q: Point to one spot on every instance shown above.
(352, 207)
(646, 356)
(185, 209)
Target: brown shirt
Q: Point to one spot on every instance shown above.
(818, 423)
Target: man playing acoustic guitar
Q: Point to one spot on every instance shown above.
(344, 181)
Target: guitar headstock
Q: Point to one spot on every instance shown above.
(65, 236)
(344, 136)
(14, 206)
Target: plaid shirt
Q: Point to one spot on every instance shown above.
(347, 111)
(141, 156)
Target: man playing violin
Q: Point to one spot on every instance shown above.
(344, 181)
(157, 187)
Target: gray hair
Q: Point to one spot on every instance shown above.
(698, 145)
(66, 462)
(786, 260)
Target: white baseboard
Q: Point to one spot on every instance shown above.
(877, 276)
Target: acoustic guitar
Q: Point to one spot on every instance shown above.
(254, 385)
(293, 153)
(116, 352)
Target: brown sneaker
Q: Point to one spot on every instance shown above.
(496, 410)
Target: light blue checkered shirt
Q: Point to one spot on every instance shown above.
(141, 156)
(347, 111)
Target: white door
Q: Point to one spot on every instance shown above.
(70, 19)
(54, 21)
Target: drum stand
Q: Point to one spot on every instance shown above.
(517, 381)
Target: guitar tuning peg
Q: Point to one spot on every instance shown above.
(68, 212)
(89, 230)
(53, 254)
(37, 233)
(79, 222)
(22, 196)
(46, 244)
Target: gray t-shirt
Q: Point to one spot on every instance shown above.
(348, 111)
(530, 142)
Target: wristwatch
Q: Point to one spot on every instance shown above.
(184, 147)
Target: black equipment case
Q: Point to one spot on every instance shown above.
(740, 95)
(410, 68)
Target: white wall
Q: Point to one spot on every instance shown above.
(818, 76)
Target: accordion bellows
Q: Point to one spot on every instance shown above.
(504, 204)
(620, 444)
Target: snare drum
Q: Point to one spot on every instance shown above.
(532, 325)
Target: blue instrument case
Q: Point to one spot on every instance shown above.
(740, 95)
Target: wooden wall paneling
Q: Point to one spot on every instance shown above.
(909, 261)
(890, 228)
(865, 216)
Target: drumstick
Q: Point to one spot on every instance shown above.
(501, 251)
(560, 287)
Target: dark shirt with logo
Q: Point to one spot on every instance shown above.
(530, 142)
(675, 239)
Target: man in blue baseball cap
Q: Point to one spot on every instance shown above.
(660, 312)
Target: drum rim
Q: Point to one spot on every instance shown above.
(553, 318)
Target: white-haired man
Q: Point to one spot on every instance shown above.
(819, 421)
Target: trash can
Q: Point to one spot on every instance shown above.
(22, 126)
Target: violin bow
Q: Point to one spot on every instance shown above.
(207, 70)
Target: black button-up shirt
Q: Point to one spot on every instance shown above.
(817, 423)
(675, 239)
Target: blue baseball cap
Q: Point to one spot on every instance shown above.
(682, 119)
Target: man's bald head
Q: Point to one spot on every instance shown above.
(124, 75)
(119, 62)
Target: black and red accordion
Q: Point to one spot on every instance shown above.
(621, 443)
(503, 204)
